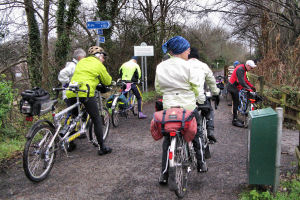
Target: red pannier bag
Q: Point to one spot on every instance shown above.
(172, 120)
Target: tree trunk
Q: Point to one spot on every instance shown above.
(34, 50)
(45, 82)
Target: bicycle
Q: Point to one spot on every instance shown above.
(202, 109)
(182, 160)
(248, 101)
(45, 138)
(182, 156)
(123, 102)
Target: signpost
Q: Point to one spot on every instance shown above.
(143, 50)
(100, 31)
(99, 25)
(101, 39)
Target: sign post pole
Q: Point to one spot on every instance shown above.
(100, 25)
(146, 79)
(143, 50)
(142, 76)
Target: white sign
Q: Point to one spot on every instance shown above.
(143, 51)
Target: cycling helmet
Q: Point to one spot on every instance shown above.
(95, 49)
(236, 63)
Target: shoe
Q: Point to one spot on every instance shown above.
(230, 104)
(237, 123)
(104, 150)
(163, 179)
(241, 121)
(142, 116)
(210, 136)
(71, 146)
(202, 167)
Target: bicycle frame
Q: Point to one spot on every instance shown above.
(130, 100)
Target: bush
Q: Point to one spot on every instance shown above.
(6, 98)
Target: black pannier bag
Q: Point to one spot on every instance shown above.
(36, 102)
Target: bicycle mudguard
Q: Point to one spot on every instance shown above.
(38, 123)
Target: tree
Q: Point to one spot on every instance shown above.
(65, 22)
(34, 48)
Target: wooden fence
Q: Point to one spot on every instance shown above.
(290, 111)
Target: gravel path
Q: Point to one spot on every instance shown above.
(132, 170)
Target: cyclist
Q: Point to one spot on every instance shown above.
(67, 72)
(91, 71)
(238, 80)
(210, 81)
(177, 82)
(236, 63)
(131, 71)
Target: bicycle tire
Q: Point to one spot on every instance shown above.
(134, 105)
(115, 118)
(105, 127)
(205, 138)
(39, 153)
(178, 174)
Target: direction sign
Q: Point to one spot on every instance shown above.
(102, 39)
(98, 24)
(143, 51)
(100, 31)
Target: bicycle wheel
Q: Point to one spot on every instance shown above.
(178, 174)
(38, 159)
(134, 105)
(115, 115)
(205, 138)
(105, 127)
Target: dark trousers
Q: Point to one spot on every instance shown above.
(235, 98)
(136, 91)
(197, 143)
(93, 110)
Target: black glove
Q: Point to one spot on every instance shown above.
(66, 85)
(254, 89)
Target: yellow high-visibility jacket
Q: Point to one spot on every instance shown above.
(89, 71)
(130, 71)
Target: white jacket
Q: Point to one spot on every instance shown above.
(179, 83)
(66, 74)
(203, 69)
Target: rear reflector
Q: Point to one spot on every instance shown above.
(29, 118)
(172, 133)
(170, 155)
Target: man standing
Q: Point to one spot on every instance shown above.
(91, 71)
(66, 73)
(210, 81)
(131, 71)
(238, 80)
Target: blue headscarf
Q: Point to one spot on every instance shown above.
(236, 63)
(176, 45)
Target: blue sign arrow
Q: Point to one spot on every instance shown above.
(102, 39)
(100, 31)
(98, 24)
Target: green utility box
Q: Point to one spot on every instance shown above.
(262, 147)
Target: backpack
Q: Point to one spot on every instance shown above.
(123, 102)
(109, 101)
(172, 120)
(35, 102)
